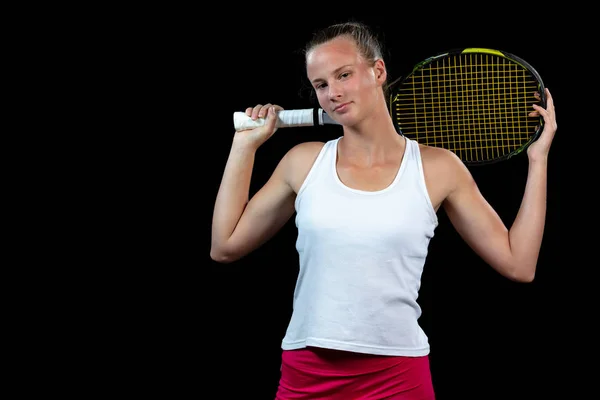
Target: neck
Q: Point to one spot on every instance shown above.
(373, 135)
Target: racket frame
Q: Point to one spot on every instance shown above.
(396, 84)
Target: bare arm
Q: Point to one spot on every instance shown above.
(239, 224)
(512, 252)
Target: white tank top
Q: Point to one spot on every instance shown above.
(361, 256)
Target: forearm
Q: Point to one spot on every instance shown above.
(233, 193)
(526, 233)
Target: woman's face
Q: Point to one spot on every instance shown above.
(345, 83)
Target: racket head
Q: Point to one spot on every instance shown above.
(474, 102)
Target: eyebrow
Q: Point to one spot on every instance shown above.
(335, 71)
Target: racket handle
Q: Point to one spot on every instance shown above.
(285, 119)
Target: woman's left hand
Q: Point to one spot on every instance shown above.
(539, 149)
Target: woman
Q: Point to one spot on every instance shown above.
(366, 207)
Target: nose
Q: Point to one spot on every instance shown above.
(335, 90)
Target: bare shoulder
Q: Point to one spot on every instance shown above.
(305, 150)
(298, 161)
(438, 157)
(443, 171)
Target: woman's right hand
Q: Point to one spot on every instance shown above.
(257, 136)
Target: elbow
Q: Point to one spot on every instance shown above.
(516, 272)
(525, 278)
(221, 255)
(523, 275)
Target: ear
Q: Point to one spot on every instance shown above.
(380, 71)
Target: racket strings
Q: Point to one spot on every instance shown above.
(476, 105)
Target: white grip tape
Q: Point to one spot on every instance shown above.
(285, 119)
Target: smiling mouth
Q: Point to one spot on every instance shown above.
(340, 106)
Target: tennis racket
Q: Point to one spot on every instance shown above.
(474, 102)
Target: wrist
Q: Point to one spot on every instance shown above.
(538, 159)
(243, 143)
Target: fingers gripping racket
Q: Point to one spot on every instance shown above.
(474, 102)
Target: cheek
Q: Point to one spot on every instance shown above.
(368, 80)
(321, 96)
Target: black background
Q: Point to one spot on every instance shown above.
(490, 337)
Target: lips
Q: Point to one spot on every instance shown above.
(341, 106)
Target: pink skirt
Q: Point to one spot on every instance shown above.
(314, 373)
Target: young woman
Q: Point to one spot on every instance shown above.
(366, 207)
